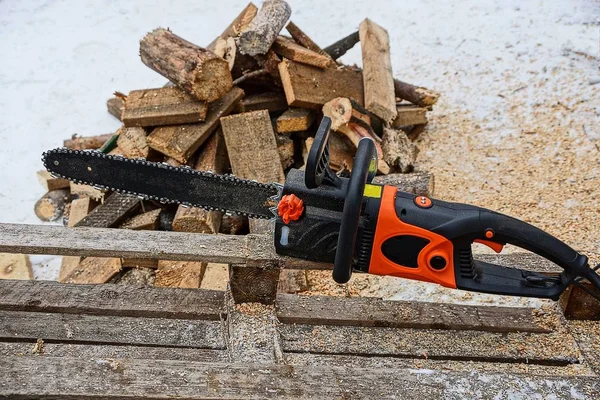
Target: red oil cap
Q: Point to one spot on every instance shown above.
(290, 208)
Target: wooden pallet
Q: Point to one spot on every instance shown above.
(116, 341)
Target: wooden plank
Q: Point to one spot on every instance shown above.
(205, 75)
(147, 221)
(179, 274)
(162, 106)
(115, 104)
(215, 277)
(105, 351)
(555, 348)
(80, 208)
(378, 77)
(87, 142)
(271, 101)
(96, 329)
(94, 270)
(49, 182)
(112, 212)
(132, 143)
(311, 87)
(289, 49)
(180, 246)
(115, 300)
(304, 40)
(419, 183)
(81, 190)
(295, 120)
(260, 34)
(252, 151)
(15, 266)
(409, 115)
(339, 311)
(181, 141)
(238, 25)
(68, 264)
(139, 263)
(252, 147)
(68, 378)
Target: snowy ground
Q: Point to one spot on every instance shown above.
(516, 79)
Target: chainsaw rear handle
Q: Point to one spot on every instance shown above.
(420, 238)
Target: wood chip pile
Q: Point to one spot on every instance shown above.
(248, 103)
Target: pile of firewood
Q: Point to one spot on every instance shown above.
(248, 103)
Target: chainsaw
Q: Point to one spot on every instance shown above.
(351, 222)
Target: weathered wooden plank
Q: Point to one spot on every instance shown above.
(68, 378)
(310, 87)
(215, 277)
(132, 142)
(374, 312)
(147, 220)
(291, 50)
(15, 266)
(408, 115)
(117, 300)
(94, 270)
(252, 147)
(88, 351)
(270, 101)
(96, 329)
(237, 25)
(115, 104)
(556, 348)
(110, 213)
(230, 249)
(162, 106)
(49, 182)
(378, 76)
(181, 141)
(295, 120)
(303, 39)
(180, 274)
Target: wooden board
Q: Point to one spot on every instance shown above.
(215, 277)
(289, 49)
(340, 311)
(115, 300)
(181, 141)
(311, 87)
(295, 120)
(304, 40)
(408, 115)
(15, 266)
(68, 378)
(107, 351)
(97, 329)
(49, 183)
(111, 212)
(94, 270)
(271, 101)
(239, 23)
(179, 274)
(146, 221)
(162, 106)
(252, 147)
(114, 105)
(378, 76)
(556, 348)
(81, 190)
(132, 143)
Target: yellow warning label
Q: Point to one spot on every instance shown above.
(373, 191)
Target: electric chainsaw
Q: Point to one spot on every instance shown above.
(350, 222)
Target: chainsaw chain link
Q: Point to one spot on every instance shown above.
(273, 188)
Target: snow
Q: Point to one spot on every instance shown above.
(61, 60)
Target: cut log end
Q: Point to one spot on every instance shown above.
(51, 206)
(212, 80)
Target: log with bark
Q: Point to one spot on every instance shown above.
(51, 205)
(260, 34)
(198, 71)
